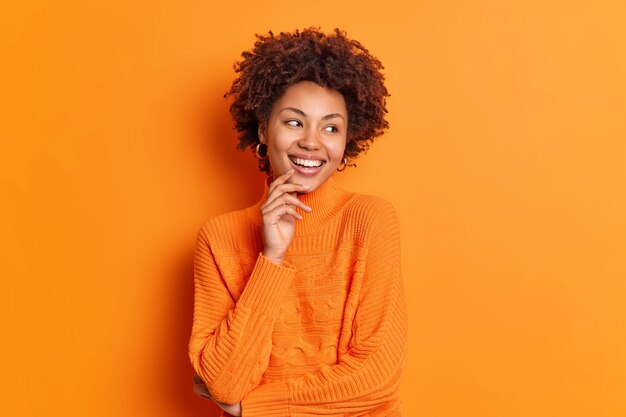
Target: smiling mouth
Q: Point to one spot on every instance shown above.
(307, 163)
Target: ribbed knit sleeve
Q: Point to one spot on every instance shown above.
(367, 377)
(231, 342)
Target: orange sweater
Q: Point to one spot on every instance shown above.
(323, 334)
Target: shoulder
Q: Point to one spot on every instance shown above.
(371, 218)
(230, 220)
(226, 229)
(371, 210)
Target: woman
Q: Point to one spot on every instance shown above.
(299, 304)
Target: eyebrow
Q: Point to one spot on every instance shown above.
(303, 114)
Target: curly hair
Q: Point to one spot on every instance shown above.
(279, 61)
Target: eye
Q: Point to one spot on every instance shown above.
(331, 129)
(294, 123)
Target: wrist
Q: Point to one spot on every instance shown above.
(275, 258)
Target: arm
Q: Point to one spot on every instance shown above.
(368, 375)
(201, 391)
(230, 342)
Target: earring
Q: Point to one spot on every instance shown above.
(345, 163)
(261, 153)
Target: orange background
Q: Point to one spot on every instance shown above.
(506, 161)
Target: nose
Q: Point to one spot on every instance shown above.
(310, 139)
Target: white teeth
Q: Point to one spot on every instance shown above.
(307, 162)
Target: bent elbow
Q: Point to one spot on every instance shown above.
(225, 394)
(222, 389)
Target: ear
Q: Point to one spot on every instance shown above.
(261, 133)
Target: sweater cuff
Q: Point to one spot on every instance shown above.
(266, 286)
(267, 400)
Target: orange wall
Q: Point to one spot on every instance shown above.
(506, 161)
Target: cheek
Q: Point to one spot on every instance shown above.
(336, 149)
(281, 140)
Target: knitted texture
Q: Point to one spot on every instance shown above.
(325, 333)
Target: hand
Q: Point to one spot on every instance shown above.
(279, 215)
(202, 391)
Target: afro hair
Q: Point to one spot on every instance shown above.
(279, 61)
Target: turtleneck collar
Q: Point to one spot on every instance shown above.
(326, 201)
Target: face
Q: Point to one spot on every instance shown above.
(306, 131)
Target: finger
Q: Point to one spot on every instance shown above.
(202, 391)
(273, 216)
(280, 180)
(287, 188)
(285, 199)
(232, 409)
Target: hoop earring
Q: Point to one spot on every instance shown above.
(261, 154)
(345, 163)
